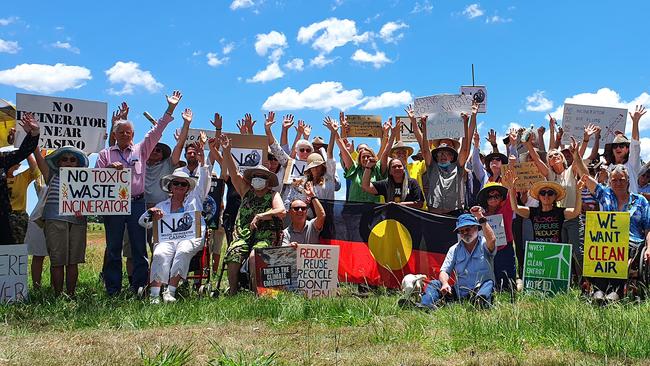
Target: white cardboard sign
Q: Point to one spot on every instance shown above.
(478, 94)
(13, 273)
(94, 191)
(576, 116)
(444, 114)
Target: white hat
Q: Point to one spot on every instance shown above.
(179, 173)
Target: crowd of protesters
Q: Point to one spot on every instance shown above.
(261, 209)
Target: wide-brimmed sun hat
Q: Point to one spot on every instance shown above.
(560, 192)
(444, 147)
(489, 157)
(314, 160)
(179, 173)
(401, 145)
(465, 220)
(489, 187)
(261, 171)
(609, 148)
(165, 149)
(52, 160)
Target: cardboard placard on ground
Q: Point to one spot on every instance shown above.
(65, 122)
(94, 191)
(310, 269)
(295, 170)
(527, 174)
(13, 273)
(607, 238)
(249, 150)
(406, 131)
(444, 114)
(177, 227)
(576, 116)
(364, 126)
(547, 267)
(496, 223)
(478, 94)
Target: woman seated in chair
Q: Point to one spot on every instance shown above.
(171, 259)
(259, 220)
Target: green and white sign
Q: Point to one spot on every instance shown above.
(547, 267)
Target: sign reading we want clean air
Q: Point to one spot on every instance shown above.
(607, 237)
(65, 122)
(94, 191)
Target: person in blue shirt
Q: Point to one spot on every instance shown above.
(472, 262)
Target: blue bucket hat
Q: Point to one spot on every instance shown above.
(52, 160)
(466, 220)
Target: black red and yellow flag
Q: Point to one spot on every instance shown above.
(381, 243)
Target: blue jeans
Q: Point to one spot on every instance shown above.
(432, 294)
(114, 226)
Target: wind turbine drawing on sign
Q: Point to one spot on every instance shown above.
(561, 259)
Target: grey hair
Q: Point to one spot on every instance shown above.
(120, 123)
(621, 169)
(303, 142)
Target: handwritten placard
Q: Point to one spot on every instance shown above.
(496, 223)
(576, 116)
(94, 191)
(13, 273)
(478, 94)
(607, 238)
(444, 114)
(527, 174)
(364, 125)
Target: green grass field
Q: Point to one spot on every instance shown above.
(288, 330)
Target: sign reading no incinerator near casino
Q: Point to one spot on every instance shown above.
(95, 191)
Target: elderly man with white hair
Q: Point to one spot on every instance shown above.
(126, 154)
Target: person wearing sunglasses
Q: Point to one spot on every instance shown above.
(171, 259)
(626, 152)
(301, 230)
(548, 218)
(65, 236)
(493, 198)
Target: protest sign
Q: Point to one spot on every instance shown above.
(443, 114)
(496, 223)
(13, 273)
(94, 191)
(364, 126)
(547, 267)
(406, 130)
(576, 116)
(318, 269)
(478, 94)
(527, 174)
(248, 150)
(194, 133)
(177, 227)
(275, 270)
(607, 237)
(295, 170)
(65, 122)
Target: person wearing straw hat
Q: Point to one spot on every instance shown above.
(171, 259)
(8, 160)
(126, 154)
(626, 152)
(259, 219)
(548, 218)
(65, 236)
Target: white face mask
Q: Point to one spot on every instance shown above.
(258, 183)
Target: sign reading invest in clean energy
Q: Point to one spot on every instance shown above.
(547, 267)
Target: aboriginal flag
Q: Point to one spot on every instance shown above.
(381, 243)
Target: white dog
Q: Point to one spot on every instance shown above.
(413, 284)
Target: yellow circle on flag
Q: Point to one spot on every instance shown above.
(390, 244)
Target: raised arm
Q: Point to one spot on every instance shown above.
(319, 211)
(384, 149)
(365, 180)
(492, 139)
(540, 138)
(464, 149)
(300, 130)
(122, 113)
(543, 168)
(346, 158)
(477, 168)
(42, 165)
(551, 132)
(509, 180)
(287, 122)
(31, 127)
(488, 233)
(573, 212)
(214, 153)
(182, 136)
(237, 179)
(639, 111)
(594, 150)
(589, 130)
(276, 150)
(420, 135)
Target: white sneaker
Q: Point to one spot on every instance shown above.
(154, 300)
(168, 297)
(520, 285)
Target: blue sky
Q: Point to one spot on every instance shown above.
(311, 58)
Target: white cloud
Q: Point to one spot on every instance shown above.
(241, 4)
(424, 7)
(538, 102)
(388, 99)
(7, 21)
(473, 11)
(9, 46)
(215, 61)
(377, 60)
(273, 40)
(130, 74)
(271, 72)
(321, 96)
(335, 33)
(295, 64)
(45, 79)
(606, 97)
(66, 46)
(387, 32)
(497, 19)
(227, 48)
(321, 61)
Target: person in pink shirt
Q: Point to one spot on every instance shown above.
(126, 154)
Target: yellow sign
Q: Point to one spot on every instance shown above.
(527, 174)
(364, 126)
(607, 238)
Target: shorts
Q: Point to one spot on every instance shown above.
(18, 223)
(238, 251)
(66, 242)
(217, 240)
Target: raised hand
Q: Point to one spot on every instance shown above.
(331, 124)
(509, 179)
(202, 137)
(172, 100)
(218, 122)
(477, 211)
(387, 126)
(343, 121)
(287, 122)
(269, 119)
(582, 182)
(464, 116)
(560, 132)
(306, 132)
(492, 137)
(300, 129)
(475, 107)
(29, 124)
(370, 163)
(242, 127)
(410, 112)
(639, 111)
(541, 130)
(512, 136)
(187, 115)
(349, 145)
(248, 120)
(309, 190)
(213, 143)
(551, 122)
(225, 143)
(121, 113)
(397, 129)
(574, 148)
(177, 134)
(477, 140)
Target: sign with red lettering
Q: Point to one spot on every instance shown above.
(607, 237)
(94, 191)
(13, 273)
